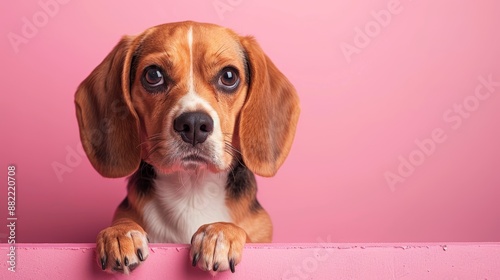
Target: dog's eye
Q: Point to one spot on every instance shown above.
(154, 76)
(228, 79)
(153, 79)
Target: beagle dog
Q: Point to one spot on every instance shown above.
(189, 112)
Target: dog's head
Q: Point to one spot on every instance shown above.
(183, 96)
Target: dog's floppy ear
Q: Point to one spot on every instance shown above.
(269, 116)
(109, 128)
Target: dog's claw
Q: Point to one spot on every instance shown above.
(231, 265)
(196, 258)
(216, 266)
(133, 266)
(139, 254)
(103, 263)
(126, 261)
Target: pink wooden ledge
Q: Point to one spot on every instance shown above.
(272, 261)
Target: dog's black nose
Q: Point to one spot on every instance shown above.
(194, 127)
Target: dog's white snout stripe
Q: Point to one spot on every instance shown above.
(191, 74)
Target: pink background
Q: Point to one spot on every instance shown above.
(279, 261)
(360, 113)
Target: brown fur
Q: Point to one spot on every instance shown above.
(119, 121)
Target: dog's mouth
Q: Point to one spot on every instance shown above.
(185, 158)
(195, 158)
(196, 161)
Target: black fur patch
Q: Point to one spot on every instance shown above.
(125, 204)
(246, 64)
(134, 64)
(143, 179)
(241, 181)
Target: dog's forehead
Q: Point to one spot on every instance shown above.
(205, 37)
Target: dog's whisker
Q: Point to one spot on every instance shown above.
(154, 142)
(154, 149)
(235, 154)
(231, 148)
(152, 139)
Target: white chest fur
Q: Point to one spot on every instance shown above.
(183, 202)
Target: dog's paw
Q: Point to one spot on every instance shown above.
(217, 246)
(122, 247)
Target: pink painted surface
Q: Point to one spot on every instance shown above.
(277, 261)
(374, 78)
